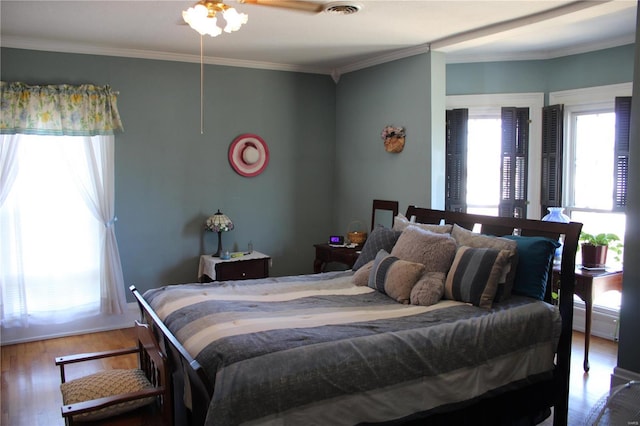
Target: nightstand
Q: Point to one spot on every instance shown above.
(249, 266)
(589, 285)
(326, 253)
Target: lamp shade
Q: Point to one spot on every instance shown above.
(219, 222)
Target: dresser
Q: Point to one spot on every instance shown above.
(248, 266)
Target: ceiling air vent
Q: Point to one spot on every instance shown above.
(342, 8)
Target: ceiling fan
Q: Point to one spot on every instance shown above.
(203, 13)
(300, 5)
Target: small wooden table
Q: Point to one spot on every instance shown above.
(589, 285)
(326, 253)
(249, 266)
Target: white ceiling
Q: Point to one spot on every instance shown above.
(280, 39)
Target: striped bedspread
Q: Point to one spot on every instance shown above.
(315, 349)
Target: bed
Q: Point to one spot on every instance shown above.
(352, 347)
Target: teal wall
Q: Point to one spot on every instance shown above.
(496, 77)
(169, 177)
(398, 94)
(599, 68)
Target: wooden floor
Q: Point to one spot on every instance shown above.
(30, 380)
(585, 389)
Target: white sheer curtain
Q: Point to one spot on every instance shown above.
(8, 165)
(59, 258)
(96, 184)
(15, 295)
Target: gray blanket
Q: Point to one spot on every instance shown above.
(317, 350)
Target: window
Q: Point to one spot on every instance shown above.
(483, 173)
(51, 245)
(495, 182)
(59, 257)
(591, 173)
(593, 164)
(488, 146)
(592, 155)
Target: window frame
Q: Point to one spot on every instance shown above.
(570, 149)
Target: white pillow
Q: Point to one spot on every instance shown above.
(400, 222)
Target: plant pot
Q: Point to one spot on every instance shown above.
(594, 256)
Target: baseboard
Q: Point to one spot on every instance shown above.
(89, 325)
(621, 376)
(604, 321)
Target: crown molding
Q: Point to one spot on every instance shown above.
(453, 58)
(381, 59)
(335, 73)
(88, 49)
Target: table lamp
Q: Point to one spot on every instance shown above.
(218, 222)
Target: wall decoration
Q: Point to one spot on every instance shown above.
(249, 155)
(393, 138)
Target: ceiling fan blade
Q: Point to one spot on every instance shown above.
(304, 6)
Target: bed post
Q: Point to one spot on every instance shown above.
(567, 287)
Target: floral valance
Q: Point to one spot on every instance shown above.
(85, 110)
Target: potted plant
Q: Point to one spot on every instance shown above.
(595, 248)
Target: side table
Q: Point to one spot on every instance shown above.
(326, 253)
(248, 266)
(589, 285)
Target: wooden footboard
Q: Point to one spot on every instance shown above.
(192, 390)
(190, 386)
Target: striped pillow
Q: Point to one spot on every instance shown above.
(394, 277)
(475, 274)
(464, 237)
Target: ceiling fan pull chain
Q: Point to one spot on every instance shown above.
(201, 86)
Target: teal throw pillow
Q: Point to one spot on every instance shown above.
(535, 255)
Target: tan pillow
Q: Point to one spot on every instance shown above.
(394, 277)
(361, 276)
(435, 251)
(429, 289)
(464, 237)
(400, 222)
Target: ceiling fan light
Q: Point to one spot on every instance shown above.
(234, 19)
(198, 18)
(201, 10)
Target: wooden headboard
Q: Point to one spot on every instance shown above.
(500, 226)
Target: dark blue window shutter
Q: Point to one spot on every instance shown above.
(514, 163)
(621, 154)
(552, 148)
(456, 160)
